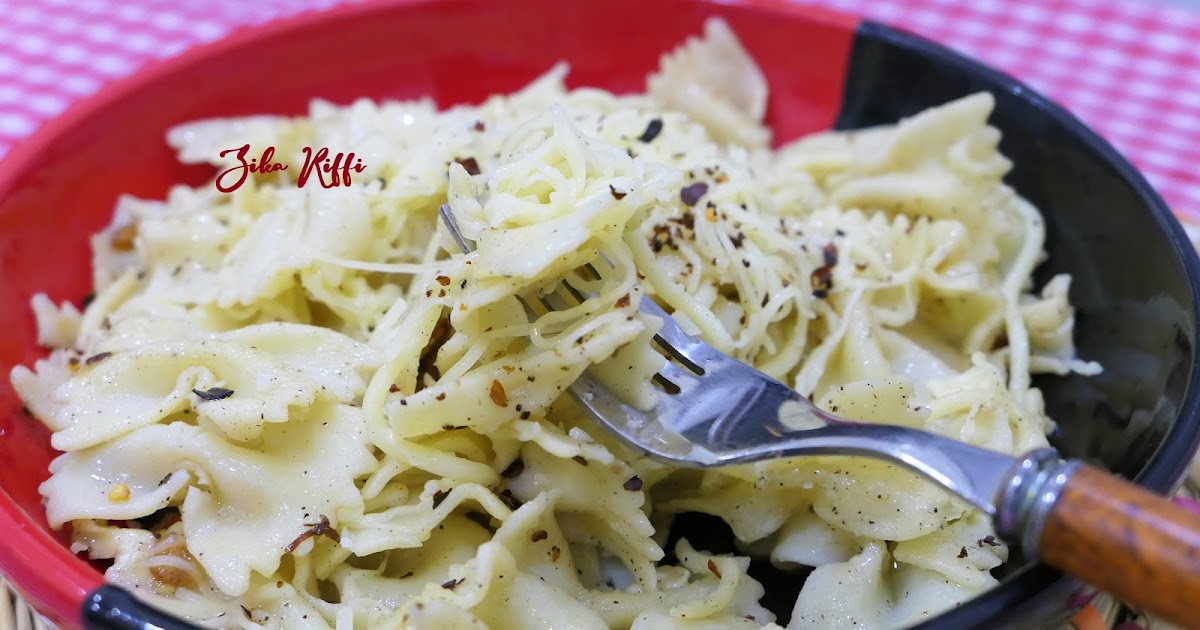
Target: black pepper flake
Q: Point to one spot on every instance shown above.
(840, 232)
(514, 469)
(406, 575)
(737, 240)
(507, 498)
(246, 611)
(745, 263)
(478, 126)
(988, 540)
(653, 128)
(165, 478)
(525, 415)
(962, 553)
(687, 220)
(320, 528)
(539, 535)
(439, 496)
(216, 393)
(393, 388)
(87, 300)
(690, 195)
(579, 459)
(450, 585)
(470, 164)
(96, 358)
(830, 252)
(617, 194)
(633, 484)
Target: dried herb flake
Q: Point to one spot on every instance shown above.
(216, 393)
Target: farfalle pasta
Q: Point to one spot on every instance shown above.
(304, 407)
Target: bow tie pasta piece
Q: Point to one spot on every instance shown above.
(244, 506)
(244, 378)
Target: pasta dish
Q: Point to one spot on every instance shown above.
(301, 406)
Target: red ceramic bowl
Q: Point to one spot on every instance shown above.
(824, 69)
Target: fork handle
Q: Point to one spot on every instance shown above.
(1124, 539)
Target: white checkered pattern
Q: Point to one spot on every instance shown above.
(1129, 68)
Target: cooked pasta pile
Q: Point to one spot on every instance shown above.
(299, 407)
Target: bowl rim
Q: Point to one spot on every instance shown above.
(38, 567)
(1169, 463)
(51, 577)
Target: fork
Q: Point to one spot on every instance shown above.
(713, 410)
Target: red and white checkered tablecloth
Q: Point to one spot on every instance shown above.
(1129, 68)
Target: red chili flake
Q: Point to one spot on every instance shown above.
(821, 280)
(653, 128)
(122, 239)
(622, 301)
(443, 280)
(440, 396)
(539, 535)
(470, 164)
(320, 528)
(617, 194)
(860, 266)
(712, 567)
(555, 552)
(279, 584)
(393, 388)
(216, 393)
(962, 553)
(579, 459)
(497, 394)
(633, 484)
(96, 358)
(439, 496)
(830, 252)
(691, 195)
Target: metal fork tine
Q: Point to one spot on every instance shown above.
(682, 379)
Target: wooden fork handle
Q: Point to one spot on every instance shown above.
(1128, 541)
